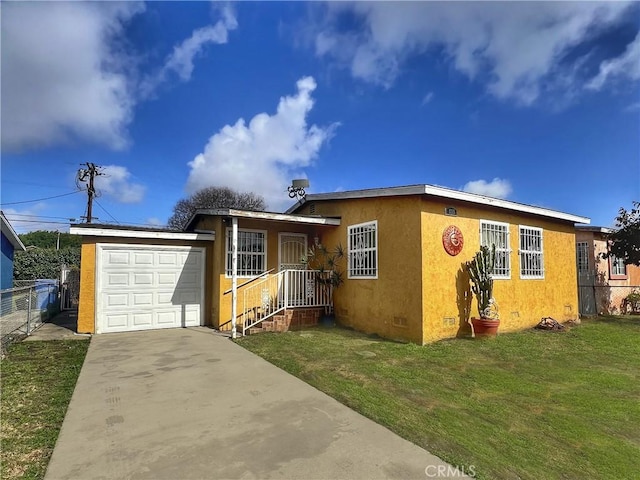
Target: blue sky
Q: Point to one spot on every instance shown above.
(538, 103)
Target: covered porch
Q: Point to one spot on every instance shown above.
(260, 279)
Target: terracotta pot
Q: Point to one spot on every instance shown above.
(485, 327)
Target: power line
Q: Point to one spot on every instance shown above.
(39, 199)
(105, 211)
(35, 216)
(37, 221)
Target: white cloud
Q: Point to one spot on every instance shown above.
(626, 65)
(116, 182)
(497, 188)
(265, 154)
(66, 74)
(514, 48)
(62, 76)
(180, 61)
(634, 107)
(155, 221)
(427, 98)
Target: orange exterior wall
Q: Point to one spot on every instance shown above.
(87, 298)
(422, 294)
(391, 305)
(446, 294)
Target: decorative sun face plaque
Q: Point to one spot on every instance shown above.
(452, 240)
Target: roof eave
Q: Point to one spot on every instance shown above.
(269, 216)
(11, 234)
(443, 193)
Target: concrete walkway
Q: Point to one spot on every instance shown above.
(191, 404)
(61, 327)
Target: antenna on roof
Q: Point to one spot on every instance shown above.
(296, 189)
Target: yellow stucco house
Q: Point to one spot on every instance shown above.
(404, 277)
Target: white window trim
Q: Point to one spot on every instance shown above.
(227, 267)
(349, 252)
(506, 250)
(520, 252)
(613, 262)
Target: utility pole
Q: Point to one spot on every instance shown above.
(90, 172)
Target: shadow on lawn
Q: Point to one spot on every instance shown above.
(614, 319)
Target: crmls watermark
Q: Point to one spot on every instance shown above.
(450, 471)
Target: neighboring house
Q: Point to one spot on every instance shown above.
(404, 272)
(602, 283)
(9, 243)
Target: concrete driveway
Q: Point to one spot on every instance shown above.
(190, 404)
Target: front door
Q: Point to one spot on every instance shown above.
(293, 248)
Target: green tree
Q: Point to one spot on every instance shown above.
(213, 197)
(38, 263)
(49, 239)
(624, 241)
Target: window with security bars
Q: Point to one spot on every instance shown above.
(618, 267)
(362, 249)
(497, 233)
(531, 254)
(252, 252)
(582, 257)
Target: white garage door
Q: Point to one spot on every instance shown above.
(140, 287)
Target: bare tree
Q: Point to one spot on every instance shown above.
(213, 197)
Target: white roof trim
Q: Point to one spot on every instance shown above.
(585, 228)
(445, 193)
(278, 217)
(146, 234)
(11, 234)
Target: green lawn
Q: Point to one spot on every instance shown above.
(530, 405)
(38, 379)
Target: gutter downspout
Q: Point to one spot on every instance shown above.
(234, 275)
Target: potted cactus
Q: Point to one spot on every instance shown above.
(480, 271)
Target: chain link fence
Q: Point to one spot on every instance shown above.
(609, 299)
(24, 308)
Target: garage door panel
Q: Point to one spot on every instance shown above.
(142, 319)
(117, 280)
(143, 258)
(168, 259)
(142, 279)
(167, 279)
(118, 258)
(142, 299)
(116, 299)
(168, 318)
(144, 287)
(115, 322)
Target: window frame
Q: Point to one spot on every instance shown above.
(541, 275)
(506, 251)
(351, 252)
(613, 260)
(227, 253)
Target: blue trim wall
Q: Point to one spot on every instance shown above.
(6, 263)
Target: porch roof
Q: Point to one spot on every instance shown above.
(442, 192)
(268, 216)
